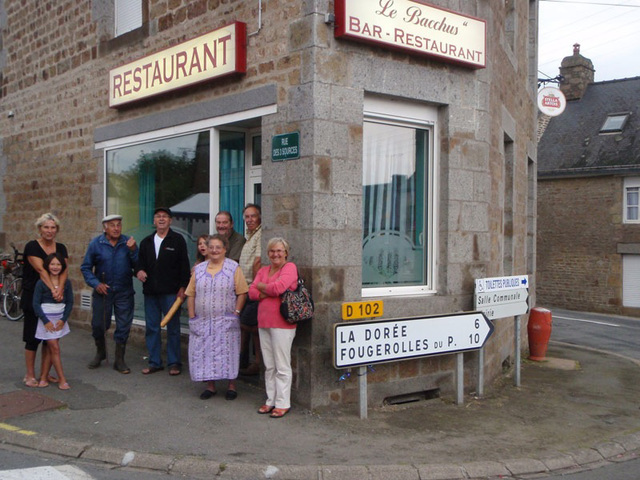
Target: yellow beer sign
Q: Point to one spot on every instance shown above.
(356, 310)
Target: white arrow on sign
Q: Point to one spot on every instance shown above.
(505, 310)
(365, 343)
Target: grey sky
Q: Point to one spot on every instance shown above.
(608, 33)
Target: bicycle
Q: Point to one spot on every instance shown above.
(13, 291)
(5, 278)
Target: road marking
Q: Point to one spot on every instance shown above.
(63, 472)
(587, 321)
(11, 428)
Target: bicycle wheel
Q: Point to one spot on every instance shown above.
(3, 289)
(12, 300)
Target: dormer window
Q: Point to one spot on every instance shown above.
(614, 123)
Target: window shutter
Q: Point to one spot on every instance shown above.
(631, 280)
(128, 14)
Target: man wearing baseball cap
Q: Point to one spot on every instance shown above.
(108, 268)
(164, 270)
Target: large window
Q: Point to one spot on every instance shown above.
(195, 174)
(632, 200)
(398, 198)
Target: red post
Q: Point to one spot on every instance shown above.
(539, 332)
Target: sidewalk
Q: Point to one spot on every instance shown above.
(576, 409)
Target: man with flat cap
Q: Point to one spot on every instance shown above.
(108, 268)
(164, 270)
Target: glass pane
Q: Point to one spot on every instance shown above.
(633, 194)
(256, 145)
(172, 173)
(394, 193)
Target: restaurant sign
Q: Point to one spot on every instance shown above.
(414, 26)
(215, 54)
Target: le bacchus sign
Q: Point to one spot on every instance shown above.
(414, 26)
(215, 54)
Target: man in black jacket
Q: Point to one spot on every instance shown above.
(163, 268)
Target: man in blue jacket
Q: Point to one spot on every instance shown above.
(108, 268)
(164, 270)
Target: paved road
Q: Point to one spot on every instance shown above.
(17, 463)
(611, 333)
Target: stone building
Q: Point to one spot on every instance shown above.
(588, 183)
(391, 142)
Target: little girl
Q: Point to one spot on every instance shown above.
(52, 316)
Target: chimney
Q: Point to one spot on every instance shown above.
(578, 72)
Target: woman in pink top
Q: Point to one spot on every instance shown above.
(276, 334)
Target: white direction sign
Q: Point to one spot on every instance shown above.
(366, 343)
(500, 297)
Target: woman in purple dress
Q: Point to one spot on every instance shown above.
(216, 294)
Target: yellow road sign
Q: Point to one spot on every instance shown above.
(355, 310)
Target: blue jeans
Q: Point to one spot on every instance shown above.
(155, 308)
(121, 304)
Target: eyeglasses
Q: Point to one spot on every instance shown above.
(277, 251)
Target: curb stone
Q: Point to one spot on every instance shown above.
(584, 456)
(485, 469)
(609, 449)
(440, 472)
(393, 472)
(622, 448)
(522, 466)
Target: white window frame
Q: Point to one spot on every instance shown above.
(412, 115)
(629, 183)
(213, 124)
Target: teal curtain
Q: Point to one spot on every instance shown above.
(232, 159)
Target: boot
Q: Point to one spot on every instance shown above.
(118, 363)
(101, 353)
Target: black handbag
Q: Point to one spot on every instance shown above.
(297, 305)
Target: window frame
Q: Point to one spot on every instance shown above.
(630, 183)
(403, 113)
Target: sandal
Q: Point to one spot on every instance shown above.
(64, 386)
(51, 379)
(32, 382)
(174, 370)
(151, 369)
(207, 394)
(264, 409)
(279, 412)
(43, 384)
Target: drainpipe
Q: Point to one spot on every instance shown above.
(259, 19)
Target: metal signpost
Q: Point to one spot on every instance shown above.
(501, 297)
(358, 344)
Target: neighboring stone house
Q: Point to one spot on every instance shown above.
(588, 196)
(392, 143)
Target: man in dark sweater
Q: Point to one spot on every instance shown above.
(163, 268)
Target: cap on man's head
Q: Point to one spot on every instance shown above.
(163, 209)
(108, 218)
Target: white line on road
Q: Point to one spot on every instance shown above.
(587, 321)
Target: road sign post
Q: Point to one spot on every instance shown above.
(358, 344)
(501, 297)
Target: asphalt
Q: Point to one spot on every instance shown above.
(576, 410)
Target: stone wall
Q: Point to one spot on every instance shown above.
(55, 79)
(581, 268)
